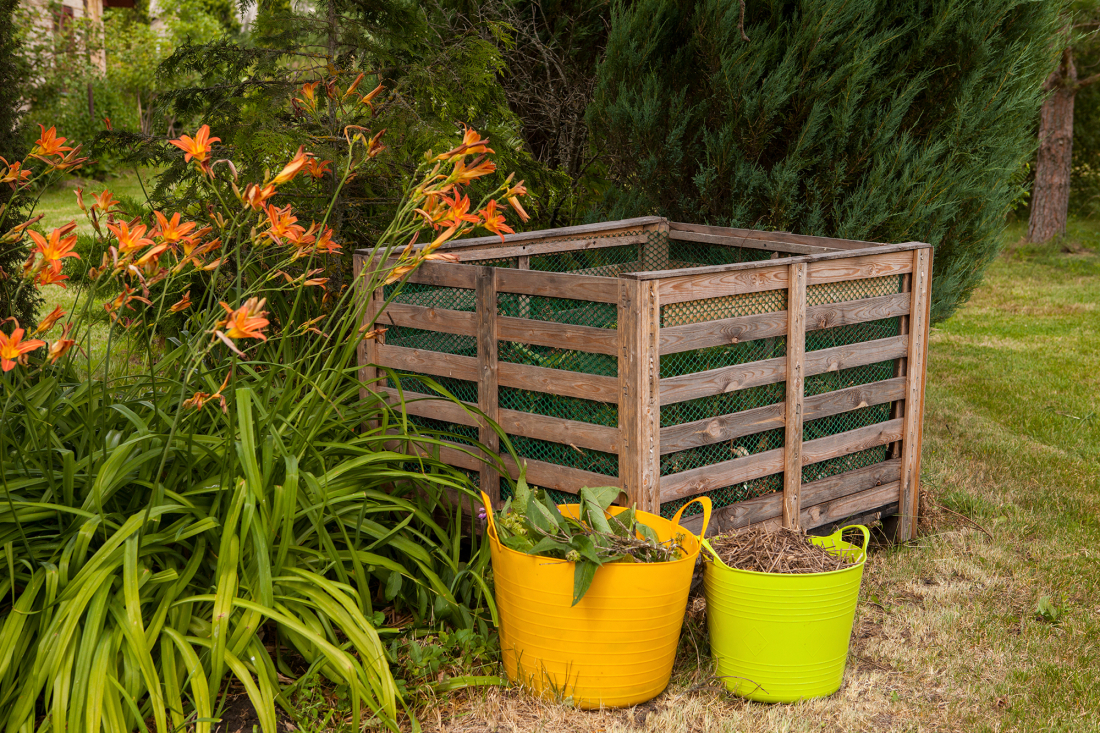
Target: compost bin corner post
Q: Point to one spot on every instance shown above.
(639, 407)
(921, 298)
(488, 388)
(795, 395)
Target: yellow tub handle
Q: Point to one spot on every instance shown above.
(492, 528)
(705, 502)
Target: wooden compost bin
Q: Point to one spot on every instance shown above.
(782, 375)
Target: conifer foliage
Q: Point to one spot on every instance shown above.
(886, 121)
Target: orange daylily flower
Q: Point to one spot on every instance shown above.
(292, 168)
(105, 201)
(48, 143)
(282, 223)
(353, 87)
(317, 168)
(494, 222)
(199, 399)
(371, 95)
(50, 276)
(170, 230)
(255, 196)
(123, 300)
(245, 322)
(512, 195)
(55, 249)
(14, 174)
(48, 322)
(60, 346)
(16, 233)
(68, 162)
(463, 174)
(197, 147)
(130, 239)
(14, 349)
(472, 144)
(183, 304)
(325, 244)
(310, 96)
(374, 147)
(458, 211)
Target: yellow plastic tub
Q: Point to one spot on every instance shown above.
(780, 637)
(616, 646)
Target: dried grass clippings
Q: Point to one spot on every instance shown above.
(781, 550)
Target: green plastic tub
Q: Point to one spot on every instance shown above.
(779, 637)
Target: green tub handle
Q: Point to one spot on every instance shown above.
(838, 536)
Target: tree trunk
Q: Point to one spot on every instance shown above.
(1050, 197)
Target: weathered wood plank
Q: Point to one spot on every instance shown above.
(491, 252)
(850, 482)
(487, 390)
(573, 433)
(445, 274)
(909, 495)
(769, 417)
(561, 478)
(781, 237)
(693, 286)
(727, 240)
(639, 409)
(720, 475)
(435, 363)
(769, 371)
(795, 393)
(857, 268)
(559, 382)
(560, 335)
(603, 228)
(852, 441)
(762, 264)
(559, 285)
(675, 339)
(850, 505)
(442, 320)
(432, 406)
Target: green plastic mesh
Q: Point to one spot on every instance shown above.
(566, 455)
(727, 495)
(728, 450)
(419, 384)
(566, 408)
(558, 310)
(461, 434)
(418, 338)
(549, 357)
(433, 296)
(843, 464)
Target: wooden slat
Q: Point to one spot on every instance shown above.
(727, 240)
(692, 286)
(675, 339)
(431, 319)
(782, 237)
(770, 506)
(909, 495)
(761, 264)
(795, 392)
(435, 363)
(720, 475)
(850, 482)
(445, 274)
(561, 335)
(769, 417)
(599, 229)
(366, 349)
(560, 478)
(434, 407)
(487, 389)
(899, 364)
(559, 285)
(856, 268)
(639, 408)
(567, 432)
(559, 382)
(545, 247)
(852, 441)
(850, 506)
(769, 371)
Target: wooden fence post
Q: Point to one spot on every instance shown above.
(488, 389)
(920, 303)
(369, 301)
(639, 404)
(795, 389)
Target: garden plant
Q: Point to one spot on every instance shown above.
(222, 511)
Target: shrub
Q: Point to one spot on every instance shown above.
(869, 120)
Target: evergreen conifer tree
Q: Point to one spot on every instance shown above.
(878, 120)
(22, 303)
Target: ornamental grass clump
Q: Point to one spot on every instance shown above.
(531, 522)
(240, 512)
